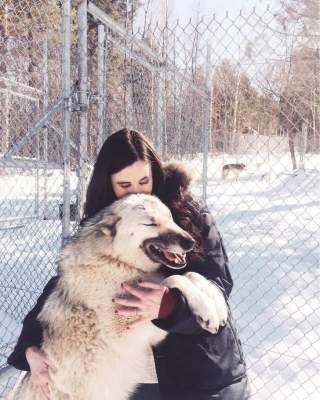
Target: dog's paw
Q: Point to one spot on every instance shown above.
(195, 278)
(213, 292)
(204, 311)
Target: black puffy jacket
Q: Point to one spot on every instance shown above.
(193, 364)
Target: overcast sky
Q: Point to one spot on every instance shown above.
(186, 9)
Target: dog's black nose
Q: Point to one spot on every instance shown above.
(186, 242)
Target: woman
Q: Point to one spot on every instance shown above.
(191, 364)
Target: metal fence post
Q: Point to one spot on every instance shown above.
(66, 60)
(164, 114)
(207, 123)
(101, 78)
(155, 107)
(45, 133)
(129, 102)
(152, 108)
(159, 105)
(6, 134)
(83, 99)
(177, 105)
(37, 188)
(302, 144)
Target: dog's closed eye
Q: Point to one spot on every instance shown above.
(151, 224)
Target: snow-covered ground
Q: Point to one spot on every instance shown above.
(271, 227)
(269, 220)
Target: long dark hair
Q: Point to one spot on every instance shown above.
(120, 150)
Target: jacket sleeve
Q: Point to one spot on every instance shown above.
(31, 333)
(214, 267)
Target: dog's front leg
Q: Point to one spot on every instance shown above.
(212, 290)
(203, 307)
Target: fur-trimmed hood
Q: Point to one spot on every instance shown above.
(185, 210)
(178, 178)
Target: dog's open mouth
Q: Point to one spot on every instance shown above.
(163, 256)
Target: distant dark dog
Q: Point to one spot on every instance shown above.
(232, 170)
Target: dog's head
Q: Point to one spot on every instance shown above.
(139, 230)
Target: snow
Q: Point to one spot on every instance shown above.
(269, 220)
(271, 231)
(9, 331)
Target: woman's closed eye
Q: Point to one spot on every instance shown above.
(144, 181)
(126, 185)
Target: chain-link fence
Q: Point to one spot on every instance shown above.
(235, 97)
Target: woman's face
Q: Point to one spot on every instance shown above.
(136, 178)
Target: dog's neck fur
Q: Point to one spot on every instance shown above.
(94, 254)
(96, 270)
(109, 259)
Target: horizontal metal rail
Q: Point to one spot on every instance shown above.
(34, 130)
(132, 41)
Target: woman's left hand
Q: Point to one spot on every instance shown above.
(144, 303)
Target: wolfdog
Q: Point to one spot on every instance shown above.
(92, 355)
(232, 170)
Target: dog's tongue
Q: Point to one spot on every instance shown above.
(178, 258)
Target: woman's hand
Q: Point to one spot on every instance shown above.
(144, 303)
(40, 379)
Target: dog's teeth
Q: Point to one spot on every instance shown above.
(176, 257)
(181, 257)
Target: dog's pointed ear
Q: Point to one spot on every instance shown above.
(108, 225)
